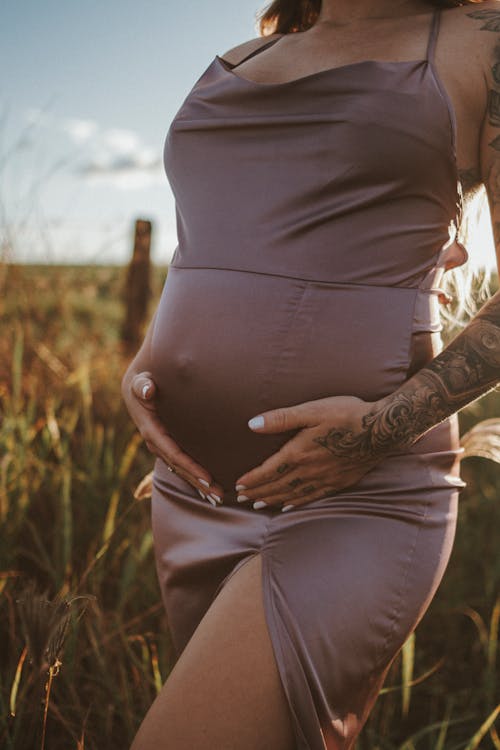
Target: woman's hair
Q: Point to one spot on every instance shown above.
(467, 285)
(286, 16)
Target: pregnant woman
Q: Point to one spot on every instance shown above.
(293, 383)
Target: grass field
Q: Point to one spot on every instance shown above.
(85, 642)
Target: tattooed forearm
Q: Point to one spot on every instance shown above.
(466, 369)
(392, 425)
(494, 101)
(494, 108)
(493, 181)
(493, 192)
(494, 116)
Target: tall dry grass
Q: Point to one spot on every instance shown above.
(85, 643)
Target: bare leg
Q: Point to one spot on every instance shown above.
(224, 692)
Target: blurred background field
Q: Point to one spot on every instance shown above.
(76, 563)
(84, 641)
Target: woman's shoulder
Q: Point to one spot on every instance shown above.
(477, 6)
(474, 28)
(469, 51)
(235, 54)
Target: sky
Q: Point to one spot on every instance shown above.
(88, 93)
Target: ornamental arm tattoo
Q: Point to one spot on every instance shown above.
(465, 370)
(470, 365)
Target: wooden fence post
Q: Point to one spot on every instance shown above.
(137, 286)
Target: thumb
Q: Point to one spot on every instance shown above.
(143, 386)
(278, 420)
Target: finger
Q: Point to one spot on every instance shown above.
(169, 451)
(286, 486)
(298, 451)
(282, 419)
(143, 386)
(330, 486)
(275, 466)
(206, 490)
(324, 494)
(308, 489)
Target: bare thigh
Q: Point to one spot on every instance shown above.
(224, 691)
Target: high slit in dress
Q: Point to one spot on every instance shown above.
(315, 219)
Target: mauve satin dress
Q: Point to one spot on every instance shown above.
(315, 219)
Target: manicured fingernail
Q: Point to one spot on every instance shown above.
(259, 504)
(240, 487)
(242, 498)
(212, 501)
(201, 494)
(286, 507)
(145, 390)
(215, 497)
(256, 422)
(204, 482)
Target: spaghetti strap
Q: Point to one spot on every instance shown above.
(256, 51)
(433, 35)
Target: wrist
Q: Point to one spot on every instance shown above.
(393, 424)
(412, 409)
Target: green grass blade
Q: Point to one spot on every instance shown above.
(474, 743)
(407, 666)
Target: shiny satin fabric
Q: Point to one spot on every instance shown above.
(315, 220)
(344, 579)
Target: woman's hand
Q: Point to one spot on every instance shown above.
(139, 391)
(332, 451)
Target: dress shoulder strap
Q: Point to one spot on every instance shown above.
(259, 49)
(433, 34)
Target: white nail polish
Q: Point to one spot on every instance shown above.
(211, 501)
(287, 507)
(204, 482)
(242, 498)
(216, 497)
(259, 504)
(240, 487)
(256, 422)
(201, 494)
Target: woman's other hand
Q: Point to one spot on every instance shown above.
(139, 392)
(334, 447)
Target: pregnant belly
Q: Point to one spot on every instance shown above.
(228, 345)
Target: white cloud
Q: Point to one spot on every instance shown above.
(126, 172)
(36, 116)
(79, 130)
(120, 141)
(119, 157)
(112, 156)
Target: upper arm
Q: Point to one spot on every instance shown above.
(235, 54)
(489, 19)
